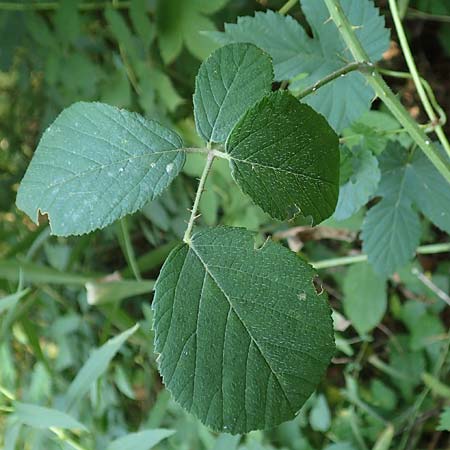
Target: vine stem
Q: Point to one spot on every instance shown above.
(287, 7)
(356, 65)
(345, 260)
(376, 81)
(198, 195)
(415, 75)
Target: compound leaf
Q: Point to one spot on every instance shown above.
(285, 156)
(365, 297)
(243, 336)
(95, 164)
(391, 230)
(304, 60)
(361, 184)
(231, 80)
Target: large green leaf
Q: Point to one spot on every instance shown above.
(391, 230)
(361, 184)
(305, 60)
(243, 336)
(95, 164)
(39, 417)
(219, 99)
(365, 297)
(285, 156)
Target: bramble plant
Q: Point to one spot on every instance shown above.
(243, 336)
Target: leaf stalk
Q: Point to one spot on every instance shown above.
(356, 65)
(198, 195)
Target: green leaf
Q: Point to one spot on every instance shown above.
(94, 165)
(391, 230)
(319, 417)
(94, 367)
(141, 22)
(113, 291)
(365, 297)
(362, 183)
(39, 417)
(229, 72)
(285, 156)
(10, 301)
(183, 23)
(142, 440)
(305, 60)
(444, 420)
(243, 337)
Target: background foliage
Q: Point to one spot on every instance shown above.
(62, 298)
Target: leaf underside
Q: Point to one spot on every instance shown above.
(242, 334)
(361, 185)
(285, 156)
(231, 80)
(391, 230)
(95, 164)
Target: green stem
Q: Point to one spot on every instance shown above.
(198, 195)
(415, 75)
(437, 107)
(128, 247)
(206, 151)
(52, 6)
(415, 13)
(65, 438)
(375, 80)
(287, 7)
(345, 260)
(332, 76)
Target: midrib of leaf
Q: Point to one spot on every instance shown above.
(281, 169)
(252, 339)
(104, 166)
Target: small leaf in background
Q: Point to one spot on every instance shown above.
(10, 301)
(362, 183)
(285, 157)
(142, 440)
(444, 420)
(243, 336)
(340, 446)
(39, 417)
(319, 416)
(141, 21)
(94, 367)
(294, 53)
(221, 80)
(436, 386)
(365, 297)
(94, 165)
(384, 441)
(183, 23)
(383, 396)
